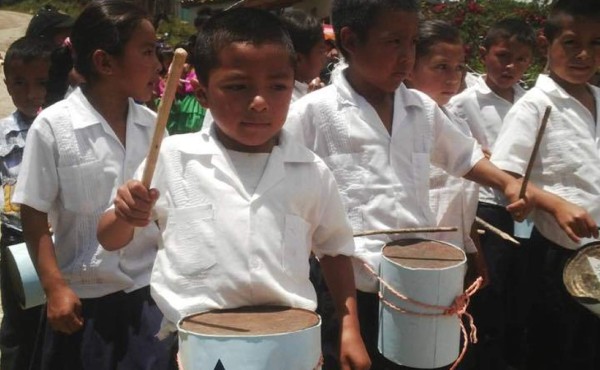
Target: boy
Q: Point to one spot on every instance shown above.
(241, 204)
(562, 335)
(309, 44)
(26, 73)
(378, 137)
(507, 52)
(50, 24)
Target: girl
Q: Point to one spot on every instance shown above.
(438, 72)
(99, 311)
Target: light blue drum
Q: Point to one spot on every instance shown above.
(251, 338)
(24, 276)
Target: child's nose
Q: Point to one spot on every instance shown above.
(258, 103)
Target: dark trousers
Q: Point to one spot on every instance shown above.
(119, 333)
(562, 334)
(19, 327)
(501, 308)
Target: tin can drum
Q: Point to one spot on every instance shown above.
(429, 272)
(26, 282)
(581, 277)
(251, 338)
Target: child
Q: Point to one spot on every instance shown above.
(241, 205)
(379, 138)
(507, 52)
(99, 311)
(438, 71)
(307, 36)
(50, 24)
(562, 334)
(26, 73)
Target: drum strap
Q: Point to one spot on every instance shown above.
(458, 308)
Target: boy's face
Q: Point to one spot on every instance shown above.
(387, 54)
(310, 65)
(505, 62)
(26, 84)
(439, 73)
(574, 55)
(248, 94)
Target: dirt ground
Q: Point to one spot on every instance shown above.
(12, 26)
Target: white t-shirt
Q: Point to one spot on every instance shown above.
(483, 110)
(224, 248)
(383, 179)
(568, 159)
(75, 195)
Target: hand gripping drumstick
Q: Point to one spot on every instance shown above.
(164, 108)
(536, 147)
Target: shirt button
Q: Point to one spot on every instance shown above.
(255, 263)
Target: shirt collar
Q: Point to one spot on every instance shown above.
(16, 124)
(84, 114)
(347, 95)
(205, 142)
(550, 87)
(483, 88)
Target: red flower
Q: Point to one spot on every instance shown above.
(438, 8)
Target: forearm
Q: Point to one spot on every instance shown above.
(487, 174)
(339, 277)
(41, 248)
(114, 233)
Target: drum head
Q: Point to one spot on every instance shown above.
(250, 321)
(578, 275)
(423, 254)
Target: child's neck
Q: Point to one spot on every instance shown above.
(581, 92)
(382, 101)
(111, 106)
(506, 94)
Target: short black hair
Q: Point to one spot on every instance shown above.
(27, 49)
(589, 9)
(243, 25)
(361, 15)
(508, 28)
(434, 31)
(304, 29)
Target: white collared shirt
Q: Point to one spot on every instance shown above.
(484, 111)
(300, 89)
(224, 248)
(453, 200)
(383, 179)
(74, 197)
(568, 159)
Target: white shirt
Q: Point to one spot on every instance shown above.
(383, 179)
(300, 89)
(484, 111)
(75, 196)
(223, 248)
(568, 160)
(453, 200)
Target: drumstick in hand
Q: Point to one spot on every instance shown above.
(536, 147)
(164, 108)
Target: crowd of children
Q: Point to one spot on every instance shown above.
(258, 205)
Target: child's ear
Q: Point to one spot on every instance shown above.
(348, 40)
(102, 61)
(543, 43)
(482, 52)
(200, 91)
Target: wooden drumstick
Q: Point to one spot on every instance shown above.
(536, 147)
(496, 231)
(406, 231)
(164, 109)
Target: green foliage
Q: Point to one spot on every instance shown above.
(474, 17)
(71, 7)
(175, 31)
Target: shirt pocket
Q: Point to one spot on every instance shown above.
(296, 247)
(420, 167)
(84, 188)
(190, 240)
